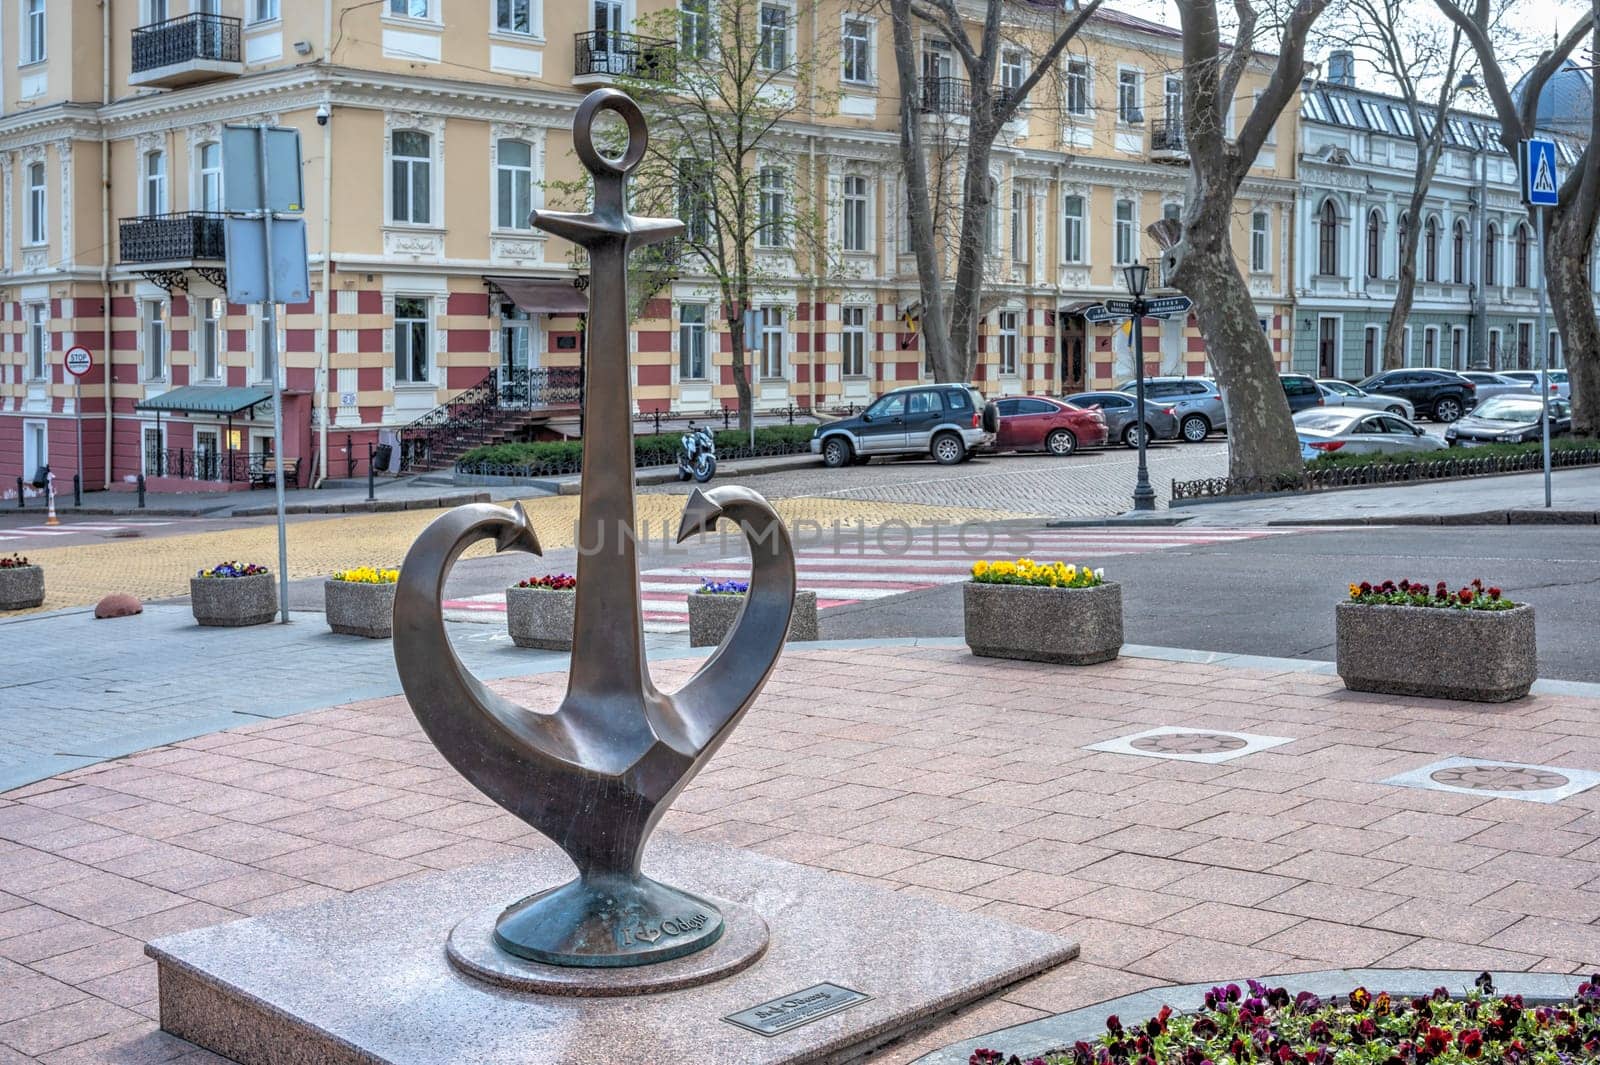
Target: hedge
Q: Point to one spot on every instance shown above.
(648, 450)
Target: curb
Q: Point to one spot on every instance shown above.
(1482, 517)
(363, 506)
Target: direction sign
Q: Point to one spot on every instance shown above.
(242, 165)
(1120, 306)
(247, 260)
(78, 360)
(1099, 313)
(1169, 305)
(1541, 182)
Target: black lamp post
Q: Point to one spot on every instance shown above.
(1136, 276)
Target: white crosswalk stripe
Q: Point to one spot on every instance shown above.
(887, 563)
(69, 527)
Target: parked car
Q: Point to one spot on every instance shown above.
(1509, 420)
(1491, 385)
(1442, 395)
(1197, 400)
(1346, 431)
(1036, 423)
(1336, 393)
(1560, 383)
(948, 422)
(1302, 391)
(1121, 421)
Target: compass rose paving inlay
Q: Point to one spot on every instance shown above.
(1189, 744)
(1492, 779)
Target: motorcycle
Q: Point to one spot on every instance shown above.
(697, 455)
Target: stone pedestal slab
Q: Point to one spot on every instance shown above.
(365, 979)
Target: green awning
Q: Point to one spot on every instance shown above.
(206, 399)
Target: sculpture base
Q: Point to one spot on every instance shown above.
(608, 923)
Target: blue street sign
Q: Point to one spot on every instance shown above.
(1541, 183)
(1166, 305)
(1099, 313)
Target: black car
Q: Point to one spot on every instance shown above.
(1509, 420)
(1302, 390)
(1442, 395)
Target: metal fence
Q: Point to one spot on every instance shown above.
(1314, 478)
(203, 464)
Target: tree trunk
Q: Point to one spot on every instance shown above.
(1394, 354)
(736, 301)
(1567, 270)
(976, 197)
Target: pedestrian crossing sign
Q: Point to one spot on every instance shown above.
(1540, 182)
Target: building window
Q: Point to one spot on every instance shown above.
(1430, 346)
(1552, 349)
(155, 340)
(33, 31)
(155, 182)
(1430, 251)
(1008, 343)
(1522, 257)
(694, 28)
(36, 212)
(1327, 347)
(411, 178)
(411, 362)
(1072, 231)
(1077, 86)
(855, 213)
(514, 16)
(1174, 103)
(1127, 246)
(853, 342)
(694, 200)
(855, 61)
(1129, 107)
(1258, 241)
(772, 341)
(1328, 239)
(773, 51)
(772, 224)
(1491, 256)
(1494, 349)
(210, 177)
(1013, 70)
(514, 184)
(409, 8)
(692, 342)
(1458, 345)
(1370, 352)
(1406, 355)
(1524, 345)
(1458, 253)
(1402, 234)
(1019, 225)
(1374, 244)
(991, 220)
(38, 341)
(210, 339)
(263, 10)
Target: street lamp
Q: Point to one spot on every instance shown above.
(1137, 275)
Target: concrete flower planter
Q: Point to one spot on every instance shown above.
(21, 587)
(541, 617)
(1067, 626)
(357, 609)
(711, 616)
(232, 602)
(1484, 656)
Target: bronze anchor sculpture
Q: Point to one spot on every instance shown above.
(596, 775)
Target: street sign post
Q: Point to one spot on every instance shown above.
(1168, 305)
(1120, 306)
(78, 361)
(1099, 313)
(1541, 188)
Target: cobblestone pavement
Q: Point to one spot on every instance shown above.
(158, 567)
(925, 771)
(1088, 484)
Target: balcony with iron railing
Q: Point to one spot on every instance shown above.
(603, 55)
(185, 50)
(1166, 142)
(946, 96)
(181, 238)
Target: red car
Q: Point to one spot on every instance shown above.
(1035, 423)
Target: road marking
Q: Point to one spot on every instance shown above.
(23, 532)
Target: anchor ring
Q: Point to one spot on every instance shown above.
(583, 132)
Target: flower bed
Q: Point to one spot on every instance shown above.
(1269, 1025)
(539, 611)
(233, 594)
(1042, 612)
(360, 602)
(1411, 638)
(21, 583)
(715, 606)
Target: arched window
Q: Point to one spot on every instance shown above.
(1430, 250)
(1374, 244)
(1522, 257)
(1328, 239)
(1402, 233)
(1458, 253)
(1491, 256)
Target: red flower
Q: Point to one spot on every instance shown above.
(1436, 1041)
(1494, 593)
(1465, 595)
(1471, 1043)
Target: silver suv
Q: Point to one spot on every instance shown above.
(1197, 401)
(948, 422)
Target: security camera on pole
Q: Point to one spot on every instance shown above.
(1541, 188)
(267, 261)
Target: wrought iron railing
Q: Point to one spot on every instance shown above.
(538, 387)
(469, 417)
(203, 464)
(1318, 477)
(1167, 137)
(946, 96)
(615, 54)
(185, 39)
(181, 236)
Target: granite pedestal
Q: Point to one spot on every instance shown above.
(365, 979)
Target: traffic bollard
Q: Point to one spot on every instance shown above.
(21, 503)
(141, 491)
(77, 490)
(372, 474)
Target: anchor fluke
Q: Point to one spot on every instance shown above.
(700, 515)
(518, 535)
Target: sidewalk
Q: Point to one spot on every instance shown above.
(1510, 499)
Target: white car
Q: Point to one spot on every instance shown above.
(1353, 431)
(1560, 383)
(1491, 385)
(1337, 393)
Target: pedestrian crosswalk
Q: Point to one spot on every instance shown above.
(69, 527)
(877, 564)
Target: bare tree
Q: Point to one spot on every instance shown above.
(1570, 225)
(951, 342)
(1199, 259)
